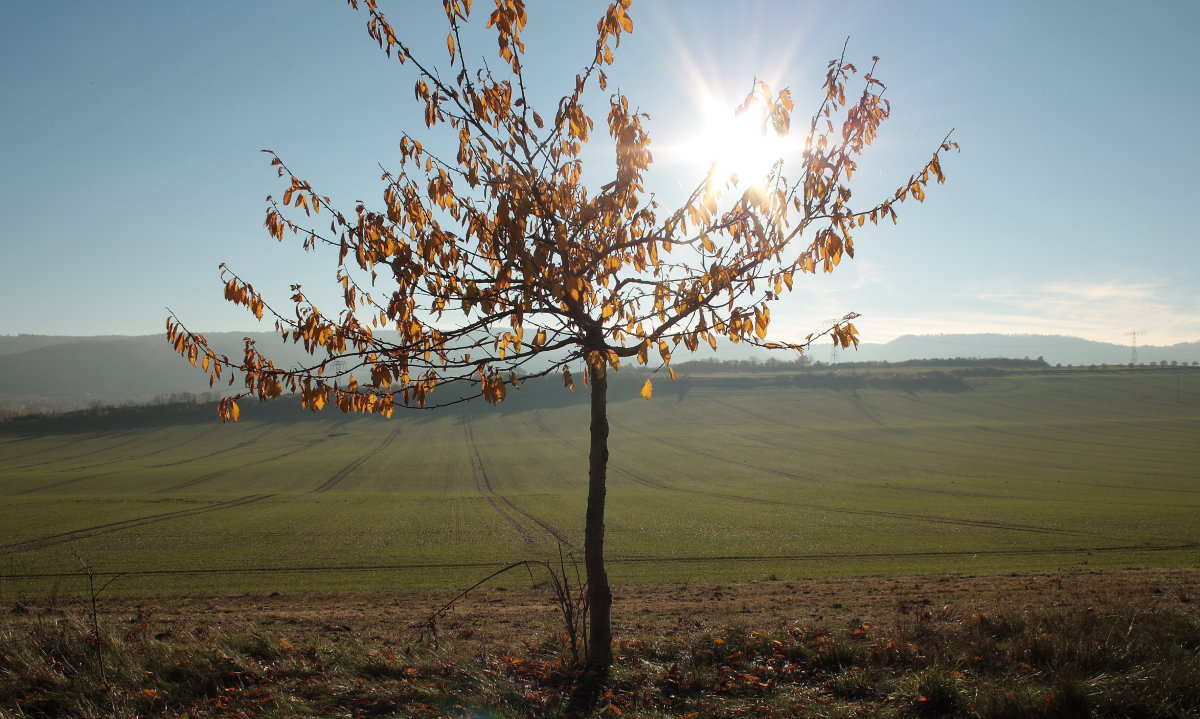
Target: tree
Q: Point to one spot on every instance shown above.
(500, 255)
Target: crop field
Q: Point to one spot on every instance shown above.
(715, 479)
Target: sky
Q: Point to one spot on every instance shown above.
(131, 129)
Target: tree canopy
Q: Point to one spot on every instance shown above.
(477, 263)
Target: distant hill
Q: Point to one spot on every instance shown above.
(41, 372)
(1055, 349)
(16, 344)
(47, 372)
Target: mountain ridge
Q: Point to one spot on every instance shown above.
(40, 372)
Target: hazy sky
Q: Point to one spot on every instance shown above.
(129, 138)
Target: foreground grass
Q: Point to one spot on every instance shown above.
(1104, 656)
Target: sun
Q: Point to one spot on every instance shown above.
(738, 144)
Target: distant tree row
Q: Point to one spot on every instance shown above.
(166, 398)
(171, 406)
(1164, 363)
(806, 363)
(934, 381)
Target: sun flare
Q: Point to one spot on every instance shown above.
(740, 144)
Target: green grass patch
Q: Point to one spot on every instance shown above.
(717, 477)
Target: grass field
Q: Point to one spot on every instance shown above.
(717, 478)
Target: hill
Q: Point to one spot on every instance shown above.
(1055, 349)
(39, 372)
(44, 372)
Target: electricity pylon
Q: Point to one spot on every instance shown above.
(833, 351)
(1133, 345)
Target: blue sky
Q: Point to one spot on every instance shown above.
(129, 164)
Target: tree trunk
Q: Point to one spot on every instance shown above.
(599, 649)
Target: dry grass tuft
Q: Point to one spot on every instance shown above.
(1114, 653)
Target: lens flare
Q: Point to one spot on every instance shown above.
(738, 144)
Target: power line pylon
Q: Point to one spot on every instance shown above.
(1133, 345)
(833, 351)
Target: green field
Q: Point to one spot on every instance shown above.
(717, 478)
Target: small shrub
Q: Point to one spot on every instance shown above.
(999, 626)
(1160, 689)
(859, 683)
(1068, 700)
(1009, 700)
(932, 694)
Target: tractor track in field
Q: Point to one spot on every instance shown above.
(971, 443)
(117, 461)
(213, 475)
(483, 483)
(18, 440)
(734, 462)
(240, 445)
(968, 443)
(137, 437)
(36, 543)
(694, 559)
(641, 479)
(75, 480)
(61, 483)
(198, 480)
(336, 478)
(952, 446)
(139, 457)
(646, 481)
(935, 519)
(477, 474)
(829, 433)
(194, 437)
(986, 410)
